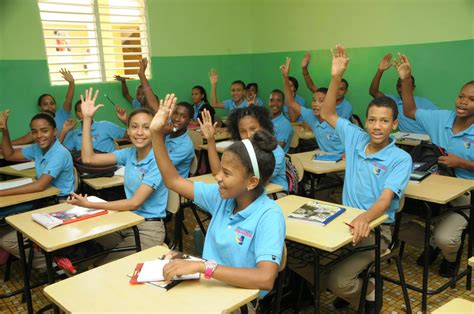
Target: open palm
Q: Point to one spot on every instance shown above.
(207, 128)
(339, 61)
(162, 116)
(402, 64)
(88, 107)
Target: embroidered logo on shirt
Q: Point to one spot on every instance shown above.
(241, 234)
(467, 142)
(378, 168)
(141, 173)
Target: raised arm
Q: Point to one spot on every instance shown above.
(307, 78)
(208, 130)
(339, 65)
(213, 78)
(151, 99)
(7, 149)
(68, 125)
(25, 139)
(88, 109)
(384, 65)
(295, 109)
(404, 70)
(123, 83)
(67, 76)
(158, 127)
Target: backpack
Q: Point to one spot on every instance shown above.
(291, 176)
(425, 158)
(87, 171)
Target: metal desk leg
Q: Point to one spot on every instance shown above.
(424, 293)
(26, 278)
(470, 242)
(317, 284)
(378, 279)
(50, 271)
(136, 233)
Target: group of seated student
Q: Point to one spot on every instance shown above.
(162, 153)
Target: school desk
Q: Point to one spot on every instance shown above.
(67, 235)
(9, 171)
(410, 139)
(23, 198)
(329, 238)
(108, 290)
(470, 261)
(440, 190)
(104, 182)
(458, 306)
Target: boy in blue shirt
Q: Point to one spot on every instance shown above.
(404, 124)
(326, 137)
(299, 100)
(283, 128)
(237, 91)
(103, 134)
(453, 131)
(251, 92)
(344, 107)
(379, 173)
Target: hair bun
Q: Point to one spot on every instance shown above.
(264, 140)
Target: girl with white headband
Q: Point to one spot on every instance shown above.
(244, 241)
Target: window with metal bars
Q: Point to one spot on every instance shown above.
(94, 39)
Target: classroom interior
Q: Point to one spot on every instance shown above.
(249, 40)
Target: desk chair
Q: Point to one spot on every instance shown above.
(173, 208)
(194, 166)
(296, 162)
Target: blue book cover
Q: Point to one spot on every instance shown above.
(327, 157)
(318, 213)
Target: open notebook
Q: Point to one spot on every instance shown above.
(14, 183)
(23, 166)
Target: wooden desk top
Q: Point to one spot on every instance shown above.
(221, 133)
(457, 306)
(108, 290)
(318, 167)
(329, 238)
(302, 132)
(104, 183)
(270, 188)
(28, 173)
(470, 261)
(410, 139)
(70, 234)
(439, 189)
(23, 198)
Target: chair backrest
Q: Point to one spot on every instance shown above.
(295, 139)
(76, 179)
(283, 258)
(298, 166)
(194, 166)
(173, 202)
(196, 138)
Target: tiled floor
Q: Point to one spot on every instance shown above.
(393, 299)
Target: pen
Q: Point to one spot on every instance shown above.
(348, 224)
(111, 101)
(172, 284)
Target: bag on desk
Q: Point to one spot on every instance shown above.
(425, 157)
(87, 171)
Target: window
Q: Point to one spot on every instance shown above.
(94, 39)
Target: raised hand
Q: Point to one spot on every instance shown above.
(213, 76)
(67, 76)
(160, 122)
(339, 61)
(77, 199)
(4, 119)
(121, 114)
(306, 60)
(121, 78)
(88, 107)
(403, 66)
(143, 65)
(285, 68)
(69, 124)
(386, 62)
(207, 128)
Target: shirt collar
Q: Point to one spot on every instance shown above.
(51, 150)
(149, 158)
(253, 207)
(450, 122)
(381, 154)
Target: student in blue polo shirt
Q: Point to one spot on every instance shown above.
(282, 126)
(47, 103)
(54, 167)
(405, 124)
(200, 102)
(237, 91)
(139, 100)
(244, 241)
(103, 134)
(242, 124)
(146, 194)
(379, 173)
(453, 131)
(344, 107)
(326, 137)
(252, 95)
(299, 100)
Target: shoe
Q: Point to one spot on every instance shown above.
(432, 255)
(447, 269)
(370, 305)
(65, 264)
(340, 303)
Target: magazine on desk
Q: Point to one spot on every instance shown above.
(63, 217)
(318, 213)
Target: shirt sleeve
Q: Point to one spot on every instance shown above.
(121, 156)
(207, 196)
(428, 119)
(228, 104)
(114, 130)
(68, 141)
(346, 111)
(153, 177)
(280, 164)
(270, 236)
(399, 176)
(308, 115)
(347, 131)
(426, 104)
(28, 152)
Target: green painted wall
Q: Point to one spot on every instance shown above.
(248, 40)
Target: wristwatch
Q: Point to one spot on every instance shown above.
(210, 268)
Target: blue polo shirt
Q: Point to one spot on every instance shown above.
(143, 172)
(406, 124)
(439, 126)
(60, 117)
(327, 138)
(230, 104)
(283, 130)
(136, 103)
(259, 102)
(103, 134)
(344, 109)
(57, 163)
(300, 100)
(367, 176)
(197, 110)
(181, 152)
(254, 234)
(279, 176)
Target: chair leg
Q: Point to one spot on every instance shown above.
(8, 267)
(363, 291)
(401, 250)
(402, 282)
(278, 292)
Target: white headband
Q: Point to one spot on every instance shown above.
(253, 157)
